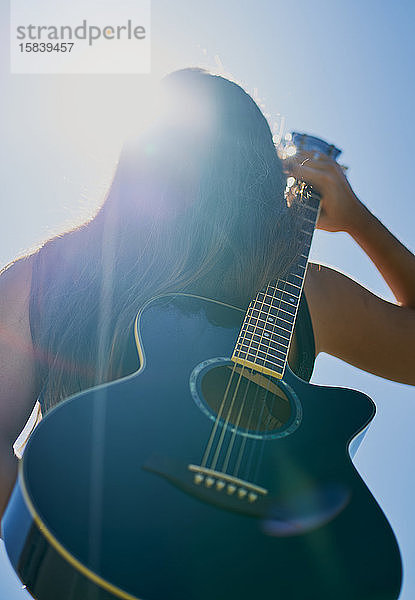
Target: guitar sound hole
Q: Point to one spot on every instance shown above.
(246, 399)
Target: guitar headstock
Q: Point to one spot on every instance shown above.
(297, 142)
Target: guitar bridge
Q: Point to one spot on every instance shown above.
(222, 490)
(223, 482)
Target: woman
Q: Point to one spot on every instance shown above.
(197, 204)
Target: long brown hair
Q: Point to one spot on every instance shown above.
(196, 204)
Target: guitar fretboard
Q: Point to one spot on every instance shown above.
(265, 336)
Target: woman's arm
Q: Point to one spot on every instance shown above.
(393, 260)
(359, 327)
(349, 321)
(17, 367)
(341, 210)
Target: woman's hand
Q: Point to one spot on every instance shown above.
(349, 321)
(341, 210)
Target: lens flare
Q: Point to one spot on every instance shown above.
(306, 510)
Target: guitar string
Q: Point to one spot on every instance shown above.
(241, 410)
(243, 442)
(305, 250)
(224, 426)
(254, 402)
(266, 320)
(219, 414)
(254, 475)
(278, 308)
(222, 437)
(262, 441)
(236, 426)
(215, 426)
(252, 441)
(214, 429)
(248, 427)
(234, 432)
(260, 451)
(207, 451)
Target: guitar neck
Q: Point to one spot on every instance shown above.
(264, 339)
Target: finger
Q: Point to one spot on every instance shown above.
(308, 174)
(314, 155)
(314, 159)
(325, 164)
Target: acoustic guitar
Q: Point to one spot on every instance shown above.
(211, 473)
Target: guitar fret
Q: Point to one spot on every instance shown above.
(308, 207)
(258, 353)
(285, 283)
(275, 297)
(270, 321)
(291, 275)
(255, 352)
(267, 325)
(310, 219)
(260, 337)
(265, 351)
(278, 310)
(279, 362)
(313, 222)
(285, 302)
(261, 345)
(271, 349)
(294, 284)
(290, 304)
(264, 330)
(273, 312)
(267, 364)
(298, 284)
(312, 197)
(282, 286)
(291, 298)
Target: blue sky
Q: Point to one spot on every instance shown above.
(339, 70)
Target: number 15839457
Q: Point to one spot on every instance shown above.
(46, 47)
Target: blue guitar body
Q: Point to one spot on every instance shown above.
(139, 490)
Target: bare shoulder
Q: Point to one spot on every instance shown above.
(356, 325)
(15, 284)
(17, 372)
